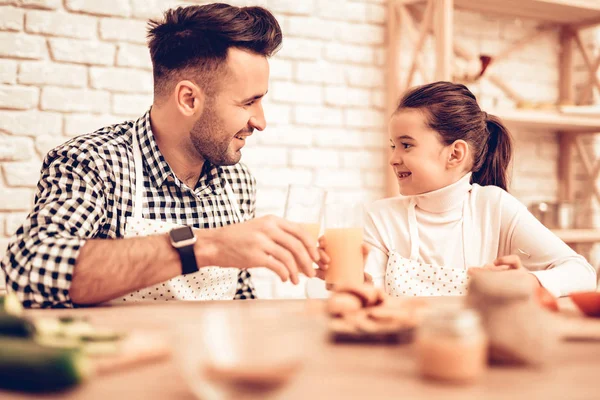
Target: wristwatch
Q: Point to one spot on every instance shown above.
(183, 239)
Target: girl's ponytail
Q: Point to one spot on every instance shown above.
(497, 155)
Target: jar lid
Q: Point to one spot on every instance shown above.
(452, 321)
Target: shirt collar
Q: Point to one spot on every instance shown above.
(446, 198)
(158, 170)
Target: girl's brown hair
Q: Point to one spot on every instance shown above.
(452, 111)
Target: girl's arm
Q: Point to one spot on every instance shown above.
(558, 267)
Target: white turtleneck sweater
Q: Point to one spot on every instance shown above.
(496, 224)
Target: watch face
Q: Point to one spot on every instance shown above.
(181, 234)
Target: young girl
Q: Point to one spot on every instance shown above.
(451, 161)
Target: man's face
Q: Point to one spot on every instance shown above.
(234, 111)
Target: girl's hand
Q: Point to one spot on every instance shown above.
(506, 263)
(324, 260)
(512, 261)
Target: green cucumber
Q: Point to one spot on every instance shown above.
(11, 325)
(27, 366)
(10, 304)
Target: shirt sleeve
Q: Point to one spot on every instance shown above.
(378, 256)
(69, 208)
(558, 267)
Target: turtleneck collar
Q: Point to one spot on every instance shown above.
(444, 199)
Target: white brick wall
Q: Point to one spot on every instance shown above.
(69, 67)
(15, 149)
(69, 100)
(132, 55)
(121, 80)
(18, 97)
(30, 123)
(11, 19)
(122, 30)
(82, 51)
(78, 124)
(8, 71)
(105, 7)
(46, 73)
(19, 45)
(16, 199)
(130, 104)
(61, 24)
(21, 174)
(41, 4)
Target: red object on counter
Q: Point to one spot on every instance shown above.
(588, 302)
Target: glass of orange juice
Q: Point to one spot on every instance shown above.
(344, 238)
(305, 205)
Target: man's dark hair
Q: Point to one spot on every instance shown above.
(192, 42)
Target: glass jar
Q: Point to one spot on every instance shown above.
(451, 346)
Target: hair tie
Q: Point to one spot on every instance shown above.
(485, 116)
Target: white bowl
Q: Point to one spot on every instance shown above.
(241, 352)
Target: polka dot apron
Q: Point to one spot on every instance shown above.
(409, 277)
(211, 283)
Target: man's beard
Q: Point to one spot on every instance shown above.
(211, 141)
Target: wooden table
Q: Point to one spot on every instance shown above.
(336, 371)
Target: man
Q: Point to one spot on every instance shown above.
(115, 209)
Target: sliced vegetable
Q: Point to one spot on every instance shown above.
(47, 326)
(102, 335)
(78, 329)
(69, 333)
(10, 304)
(28, 366)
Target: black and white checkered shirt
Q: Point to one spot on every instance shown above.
(86, 191)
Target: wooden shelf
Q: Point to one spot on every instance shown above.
(578, 235)
(578, 12)
(548, 120)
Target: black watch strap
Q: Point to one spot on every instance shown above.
(188, 259)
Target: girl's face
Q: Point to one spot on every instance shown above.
(422, 163)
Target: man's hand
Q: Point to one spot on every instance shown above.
(271, 242)
(324, 259)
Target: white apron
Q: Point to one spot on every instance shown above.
(409, 277)
(210, 283)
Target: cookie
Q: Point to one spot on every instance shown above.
(343, 303)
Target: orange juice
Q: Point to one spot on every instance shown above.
(344, 249)
(313, 230)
